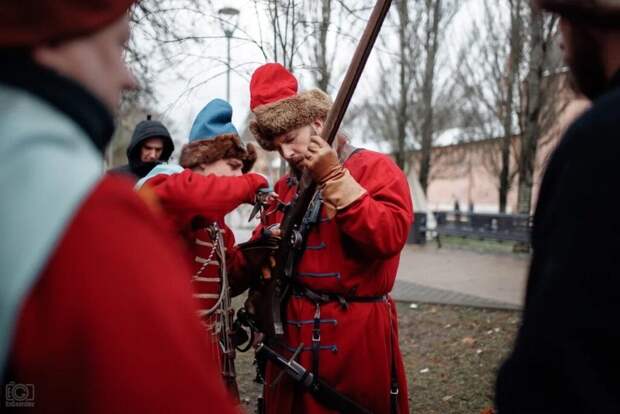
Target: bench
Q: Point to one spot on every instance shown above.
(481, 226)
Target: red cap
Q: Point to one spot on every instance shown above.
(29, 23)
(271, 83)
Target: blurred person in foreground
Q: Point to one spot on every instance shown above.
(566, 358)
(96, 314)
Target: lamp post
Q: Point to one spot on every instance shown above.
(229, 19)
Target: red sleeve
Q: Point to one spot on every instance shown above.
(189, 193)
(281, 188)
(378, 222)
(111, 326)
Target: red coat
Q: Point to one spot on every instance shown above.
(354, 254)
(110, 325)
(186, 195)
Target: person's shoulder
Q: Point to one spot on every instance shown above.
(114, 223)
(121, 169)
(114, 208)
(600, 123)
(367, 161)
(114, 190)
(587, 155)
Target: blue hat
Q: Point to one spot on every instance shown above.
(213, 137)
(215, 119)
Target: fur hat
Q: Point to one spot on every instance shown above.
(29, 23)
(214, 137)
(277, 106)
(599, 12)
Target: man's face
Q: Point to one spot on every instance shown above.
(224, 167)
(293, 144)
(151, 149)
(583, 54)
(95, 61)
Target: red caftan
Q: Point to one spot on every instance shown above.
(110, 326)
(356, 253)
(192, 202)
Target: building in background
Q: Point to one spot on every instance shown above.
(465, 167)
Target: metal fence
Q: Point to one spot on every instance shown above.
(482, 226)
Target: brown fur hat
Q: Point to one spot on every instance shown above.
(223, 146)
(598, 12)
(277, 105)
(282, 116)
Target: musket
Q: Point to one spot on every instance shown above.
(291, 245)
(323, 392)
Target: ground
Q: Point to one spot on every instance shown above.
(451, 355)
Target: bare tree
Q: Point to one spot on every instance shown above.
(331, 24)
(409, 107)
(388, 113)
(534, 102)
(489, 72)
(160, 30)
(437, 16)
(511, 81)
(157, 37)
(323, 60)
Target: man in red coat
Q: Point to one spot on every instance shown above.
(212, 181)
(96, 314)
(340, 310)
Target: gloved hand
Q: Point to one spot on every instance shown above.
(259, 253)
(339, 188)
(256, 182)
(321, 161)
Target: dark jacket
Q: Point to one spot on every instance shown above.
(145, 130)
(567, 353)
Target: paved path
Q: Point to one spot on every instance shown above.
(451, 276)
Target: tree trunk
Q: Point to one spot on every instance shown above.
(434, 17)
(513, 68)
(323, 69)
(531, 132)
(402, 119)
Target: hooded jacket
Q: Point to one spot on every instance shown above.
(145, 130)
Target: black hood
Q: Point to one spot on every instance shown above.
(145, 130)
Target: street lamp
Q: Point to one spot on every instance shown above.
(229, 19)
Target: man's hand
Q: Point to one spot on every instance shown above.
(339, 189)
(321, 161)
(259, 253)
(257, 181)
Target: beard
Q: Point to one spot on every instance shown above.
(586, 64)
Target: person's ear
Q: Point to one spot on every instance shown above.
(318, 124)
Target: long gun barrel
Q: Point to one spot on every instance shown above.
(324, 393)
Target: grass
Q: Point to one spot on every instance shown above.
(477, 245)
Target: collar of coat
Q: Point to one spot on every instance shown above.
(18, 70)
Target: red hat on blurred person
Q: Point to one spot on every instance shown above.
(29, 23)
